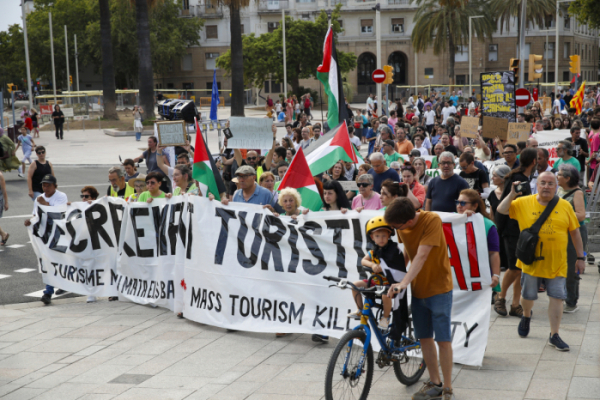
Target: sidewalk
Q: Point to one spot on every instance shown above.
(74, 350)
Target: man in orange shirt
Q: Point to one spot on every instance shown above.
(430, 277)
(403, 145)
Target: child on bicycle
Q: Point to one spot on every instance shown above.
(387, 262)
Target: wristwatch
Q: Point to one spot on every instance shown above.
(581, 258)
(496, 275)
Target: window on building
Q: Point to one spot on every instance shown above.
(242, 28)
(188, 85)
(428, 71)
(397, 25)
(211, 61)
(272, 26)
(526, 76)
(566, 76)
(212, 32)
(210, 84)
(186, 62)
(462, 54)
(550, 77)
(267, 87)
(461, 80)
(493, 52)
(170, 86)
(549, 51)
(306, 17)
(305, 1)
(549, 21)
(275, 87)
(527, 50)
(567, 22)
(566, 50)
(366, 26)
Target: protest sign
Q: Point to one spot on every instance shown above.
(46, 109)
(250, 133)
(469, 127)
(171, 133)
(518, 132)
(495, 127)
(68, 112)
(240, 267)
(498, 95)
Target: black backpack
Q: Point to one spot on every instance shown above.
(529, 238)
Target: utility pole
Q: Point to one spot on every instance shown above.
(522, 43)
(67, 56)
(27, 55)
(470, 62)
(378, 40)
(76, 65)
(52, 53)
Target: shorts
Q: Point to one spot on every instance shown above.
(555, 288)
(510, 244)
(433, 315)
(26, 156)
(35, 124)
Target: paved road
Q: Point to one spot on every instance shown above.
(18, 268)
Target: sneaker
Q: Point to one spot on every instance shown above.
(355, 315)
(20, 175)
(447, 394)
(516, 311)
(384, 323)
(46, 299)
(280, 335)
(523, 328)
(429, 391)
(542, 288)
(567, 309)
(60, 291)
(500, 306)
(320, 338)
(91, 299)
(556, 342)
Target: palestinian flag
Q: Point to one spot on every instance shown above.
(298, 177)
(331, 77)
(577, 100)
(204, 170)
(337, 148)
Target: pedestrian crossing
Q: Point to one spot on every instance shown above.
(40, 293)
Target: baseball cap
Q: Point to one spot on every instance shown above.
(49, 179)
(245, 170)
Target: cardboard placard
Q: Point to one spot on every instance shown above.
(171, 133)
(250, 133)
(518, 132)
(493, 127)
(469, 127)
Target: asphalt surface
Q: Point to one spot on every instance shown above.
(18, 255)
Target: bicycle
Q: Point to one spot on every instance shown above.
(352, 359)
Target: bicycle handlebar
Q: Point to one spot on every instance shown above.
(344, 283)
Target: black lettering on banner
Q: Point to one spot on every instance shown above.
(75, 248)
(358, 247)
(127, 284)
(114, 215)
(257, 313)
(313, 247)
(317, 315)
(42, 270)
(335, 320)
(50, 217)
(58, 232)
(190, 237)
(99, 277)
(113, 277)
(266, 308)
(248, 262)
(338, 225)
(95, 225)
(72, 270)
(274, 310)
(138, 233)
(233, 297)
(271, 243)
(283, 317)
(211, 294)
(219, 305)
(292, 240)
(244, 301)
(81, 275)
(468, 332)
(36, 226)
(173, 229)
(225, 215)
(170, 289)
(294, 314)
(55, 265)
(454, 326)
(160, 223)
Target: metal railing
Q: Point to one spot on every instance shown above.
(273, 5)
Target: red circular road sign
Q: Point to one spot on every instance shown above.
(522, 97)
(378, 76)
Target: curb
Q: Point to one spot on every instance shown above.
(38, 303)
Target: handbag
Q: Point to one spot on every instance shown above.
(529, 238)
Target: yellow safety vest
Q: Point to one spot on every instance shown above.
(128, 191)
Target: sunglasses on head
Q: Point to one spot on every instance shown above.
(363, 184)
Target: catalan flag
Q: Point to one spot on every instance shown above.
(577, 101)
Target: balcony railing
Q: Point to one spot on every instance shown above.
(398, 2)
(333, 3)
(273, 5)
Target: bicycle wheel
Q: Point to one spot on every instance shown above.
(340, 381)
(410, 367)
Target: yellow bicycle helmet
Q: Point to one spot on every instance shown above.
(378, 223)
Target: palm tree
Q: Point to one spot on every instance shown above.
(237, 57)
(445, 25)
(537, 12)
(145, 75)
(108, 72)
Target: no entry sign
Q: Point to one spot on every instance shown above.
(522, 97)
(378, 76)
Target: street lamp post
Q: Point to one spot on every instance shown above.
(556, 48)
(27, 55)
(470, 63)
(284, 55)
(546, 50)
(52, 54)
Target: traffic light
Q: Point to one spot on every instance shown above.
(11, 87)
(575, 64)
(70, 79)
(535, 70)
(389, 74)
(514, 66)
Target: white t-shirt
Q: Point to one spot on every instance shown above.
(429, 117)
(57, 199)
(423, 150)
(278, 107)
(446, 111)
(370, 104)
(355, 141)
(556, 107)
(411, 101)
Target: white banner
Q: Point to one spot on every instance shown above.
(240, 267)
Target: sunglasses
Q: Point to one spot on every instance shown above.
(41, 152)
(363, 184)
(151, 183)
(250, 158)
(462, 203)
(85, 196)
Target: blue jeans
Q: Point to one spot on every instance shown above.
(433, 315)
(49, 290)
(138, 136)
(36, 195)
(555, 288)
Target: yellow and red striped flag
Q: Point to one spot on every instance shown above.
(577, 100)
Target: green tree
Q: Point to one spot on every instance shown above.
(144, 58)
(12, 54)
(445, 25)
(108, 73)
(263, 55)
(586, 12)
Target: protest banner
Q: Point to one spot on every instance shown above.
(240, 267)
(469, 127)
(518, 132)
(250, 133)
(495, 127)
(498, 95)
(549, 140)
(171, 133)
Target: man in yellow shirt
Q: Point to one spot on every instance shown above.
(551, 251)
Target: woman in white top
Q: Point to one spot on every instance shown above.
(137, 122)
(482, 151)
